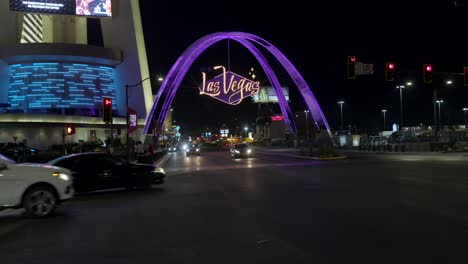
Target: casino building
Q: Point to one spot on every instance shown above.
(56, 69)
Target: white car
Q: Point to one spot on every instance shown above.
(37, 188)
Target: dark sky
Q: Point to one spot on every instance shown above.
(317, 37)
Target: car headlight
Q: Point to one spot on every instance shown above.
(197, 150)
(62, 176)
(159, 170)
(248, 151)
(185, 147)
(236, 151)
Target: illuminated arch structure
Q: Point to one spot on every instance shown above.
(175, 76)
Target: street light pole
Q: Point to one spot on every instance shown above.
(401, 105)
(465, 109)
(440, 122)
(384, 111)
(307, 125)
(341, 110)
(126, 114)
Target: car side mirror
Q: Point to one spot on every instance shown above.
(3, 165)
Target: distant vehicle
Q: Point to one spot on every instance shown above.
(37, 188)
(98, 171)
(241, 150)
(192, 149)
(174, 148)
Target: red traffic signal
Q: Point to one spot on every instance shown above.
(427, 73)
(107, 110)
(70, 130)
(465, 75)
(389, 71)
(351, 67)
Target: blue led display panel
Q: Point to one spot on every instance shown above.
(60, 86)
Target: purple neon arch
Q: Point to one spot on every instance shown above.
(179, 69)
(286, 111)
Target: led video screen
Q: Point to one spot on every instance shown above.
(96, 8)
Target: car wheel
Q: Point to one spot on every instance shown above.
(39, 201)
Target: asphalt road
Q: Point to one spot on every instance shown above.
(266, 209)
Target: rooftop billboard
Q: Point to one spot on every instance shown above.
(95, 8)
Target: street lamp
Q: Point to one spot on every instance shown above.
(246, 129)
(341, 108)
(126, 113)
(465, 109)
(384, 111)
(439, 102)
(307, 125)
(401, 101)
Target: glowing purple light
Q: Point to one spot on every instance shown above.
(179, 69)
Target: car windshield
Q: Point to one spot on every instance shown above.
(241, 146)
(6, 159)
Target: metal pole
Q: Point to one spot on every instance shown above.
(440, 121)
(127, 124)
(384, 128)
(401, 108)
(435, 115)
(465, 116)
(307, 129)
(341, 107)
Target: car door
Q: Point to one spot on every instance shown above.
(112, 172)
(10, 184)
(84, 178)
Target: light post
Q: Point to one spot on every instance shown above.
(439, 102)
(384, 120)
(401, 87)
(307, 125)
(126, 111)
(465, 109)
(341, 109)
(246, 129)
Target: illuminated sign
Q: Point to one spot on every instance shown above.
(132, 120)
(98, 8)
(267, 94)
(224, 132)
(229, 87)
(277, 118)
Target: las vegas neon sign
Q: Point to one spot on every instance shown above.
(228, 87)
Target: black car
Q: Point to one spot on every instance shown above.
(97, 171)
(192, 149)
(240, 151)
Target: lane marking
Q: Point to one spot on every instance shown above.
(160, 162)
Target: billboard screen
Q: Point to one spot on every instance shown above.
(96, 8)
(268, 95)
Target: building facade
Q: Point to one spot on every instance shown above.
(55, 71)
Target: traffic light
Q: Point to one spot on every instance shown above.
(70, 130)
(351, 67)
(389, 71)
(465, 75)
(427, 73)
(106, 109)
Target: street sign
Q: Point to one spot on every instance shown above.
(132, 120)
(364, 68)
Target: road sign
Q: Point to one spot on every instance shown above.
(364, 68)
(132, 120)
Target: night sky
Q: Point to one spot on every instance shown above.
(317, 37)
